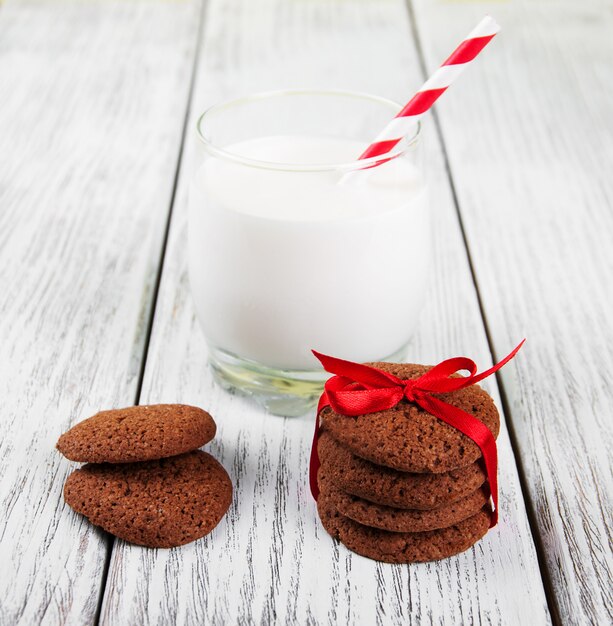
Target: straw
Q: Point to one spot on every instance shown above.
(432, 89)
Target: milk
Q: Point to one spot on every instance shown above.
(283, 262)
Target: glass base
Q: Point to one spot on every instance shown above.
(289, 393)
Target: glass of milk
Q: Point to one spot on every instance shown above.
(294, 246)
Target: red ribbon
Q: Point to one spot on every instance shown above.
(359, 389)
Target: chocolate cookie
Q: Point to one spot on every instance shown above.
(383, 485)
(401, 520)
(392, 547)
(408, 438)
(160, 504)
(137, 433)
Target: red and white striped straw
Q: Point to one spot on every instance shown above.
(432, 89)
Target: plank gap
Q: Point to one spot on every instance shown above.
(173, 195)
(531, 514)
(158, 278)
(110, 542)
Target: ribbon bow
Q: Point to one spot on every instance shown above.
(358, 389)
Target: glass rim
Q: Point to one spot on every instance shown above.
(405, 144)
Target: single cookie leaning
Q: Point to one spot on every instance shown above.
(408, 438)
(387, 486)
(159, 504)
(400, 520)
(392, 547)
(137, 433)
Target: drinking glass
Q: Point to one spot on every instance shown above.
(295, 244)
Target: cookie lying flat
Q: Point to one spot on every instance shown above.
(160, 504)
(408, 438)
(401, 520)
(391, 547)
(383, 485)
(137, 433)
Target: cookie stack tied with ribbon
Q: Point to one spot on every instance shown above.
(404, 461)
(144, 479)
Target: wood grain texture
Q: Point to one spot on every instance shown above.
(270, 561)
(92, 104)
(529, 138)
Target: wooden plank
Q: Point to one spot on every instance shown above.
(270, 561)
(92, 106)
(529, 140)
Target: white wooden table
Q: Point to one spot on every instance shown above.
(98, 101)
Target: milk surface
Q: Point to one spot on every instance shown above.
(284, 262)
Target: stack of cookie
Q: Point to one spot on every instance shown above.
(401, 485)
(145, 480)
